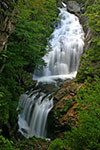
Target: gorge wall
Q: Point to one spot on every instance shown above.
(7, 21)
(7, 24)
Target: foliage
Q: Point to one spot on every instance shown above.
(4, 110)
(31, 143)
(30, 37)
(26, 47)
(60, 112)
(93, 13)
(57, 144)
(87, 135)
(91, 59)
(5, 144)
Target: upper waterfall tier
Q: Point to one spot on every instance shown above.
(66, 46)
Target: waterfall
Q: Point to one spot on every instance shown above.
(62, 61)
(66, 45)
(32, 121)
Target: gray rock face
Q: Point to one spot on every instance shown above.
(6, 21)
(73, 7)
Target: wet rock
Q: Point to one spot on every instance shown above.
(47, 88)
(64, 112)
(70, 118)
(67, 89)
(73, 7)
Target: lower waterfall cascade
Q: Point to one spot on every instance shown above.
(61, 63)
(32, 121)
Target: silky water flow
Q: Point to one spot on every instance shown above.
(62, 62)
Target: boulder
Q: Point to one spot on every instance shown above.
(73, 7)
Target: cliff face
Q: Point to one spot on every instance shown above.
(64, 116)
(7, 13)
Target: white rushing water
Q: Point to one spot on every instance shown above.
(32, 121)
(66, 47)
(62, 63)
